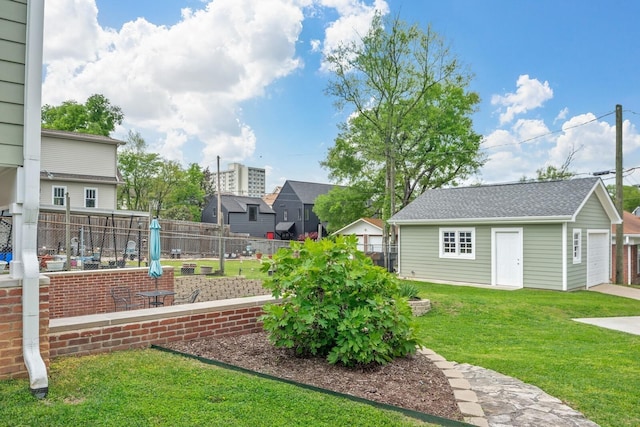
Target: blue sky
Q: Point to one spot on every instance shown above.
(243, 79)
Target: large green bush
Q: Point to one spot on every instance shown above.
(336, 303)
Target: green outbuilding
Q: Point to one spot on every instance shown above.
(546, 235)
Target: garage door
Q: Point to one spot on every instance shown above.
(598, 253)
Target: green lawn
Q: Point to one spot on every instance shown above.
(154, 388)
(247, 267)
(526, 334)
(529, 334)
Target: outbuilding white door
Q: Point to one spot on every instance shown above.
(507, 257)
(598, 255)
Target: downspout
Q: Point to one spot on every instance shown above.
(29, 192)
(628, 260)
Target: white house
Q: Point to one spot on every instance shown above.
(84, 165)
(368, 231)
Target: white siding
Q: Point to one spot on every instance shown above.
(78, 157)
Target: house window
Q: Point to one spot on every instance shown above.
(306, 214)
(457, 243)
(285, 215)
(299, 214)
(90, 197)
(577, 246)
(253, 213)
(58, 195)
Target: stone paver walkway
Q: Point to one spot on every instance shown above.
(487, 398)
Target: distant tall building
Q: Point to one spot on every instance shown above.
(241, 180)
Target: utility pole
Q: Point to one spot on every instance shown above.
(220, 223)
(619, 205)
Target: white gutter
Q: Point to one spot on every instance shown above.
(26, 220)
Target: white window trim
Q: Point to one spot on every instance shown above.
(85, 197)
(457, 254)
(64, 195)
(576, 250)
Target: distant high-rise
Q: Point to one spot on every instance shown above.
(241, 180)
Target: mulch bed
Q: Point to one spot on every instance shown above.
(413, 382)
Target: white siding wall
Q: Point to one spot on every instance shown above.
(106, 193)
(78, 157)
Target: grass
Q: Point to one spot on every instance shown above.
(529, 335)
(154, 388)
(526, 334)
(249, 268)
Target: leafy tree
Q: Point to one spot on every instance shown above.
(343, 205)
(138, 170)
(336, 304)
(411, 128)
(187, 198)
(630, 196)
(97, 116)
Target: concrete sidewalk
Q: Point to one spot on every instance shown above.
(629, 324)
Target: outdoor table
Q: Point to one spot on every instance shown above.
(153, 296)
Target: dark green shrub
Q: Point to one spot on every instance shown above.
(336, 304)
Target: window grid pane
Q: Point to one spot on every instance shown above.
(465, 242)
(449, 242)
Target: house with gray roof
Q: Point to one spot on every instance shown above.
(294, 208)
(545, 235)
(246, 215)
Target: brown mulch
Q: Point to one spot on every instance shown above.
(413, 382)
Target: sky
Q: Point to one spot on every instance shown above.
(245, 79)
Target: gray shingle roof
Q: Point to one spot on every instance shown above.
(517, 200)
(233, 203)
(308, 192)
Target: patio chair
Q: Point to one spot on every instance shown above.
(122, 299)
(188, 300)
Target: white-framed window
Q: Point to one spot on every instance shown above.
(58, 195)
(458, 243)
(577, 246)
(90, 197)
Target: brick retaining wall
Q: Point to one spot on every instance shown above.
(81, 293)
(140, 328)
(11, 358)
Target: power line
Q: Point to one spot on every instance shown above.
(550, 133)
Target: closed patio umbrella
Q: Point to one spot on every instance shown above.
(155, 269)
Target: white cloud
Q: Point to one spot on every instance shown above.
(510, 156)
(181, 85)
(354, 23)
(561, 115)
(185, 80)
(530, 94)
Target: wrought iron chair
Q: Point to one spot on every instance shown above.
(188, 300)
(122, 299)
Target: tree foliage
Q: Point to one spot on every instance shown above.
(630, 196)
(336, 304)
(96, 116)
(411, 125)
(343, 205)
(162, 186)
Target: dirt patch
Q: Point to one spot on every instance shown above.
(413, 382)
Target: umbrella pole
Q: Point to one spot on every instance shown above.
(156, 283)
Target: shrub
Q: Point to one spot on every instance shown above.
(336, 304)
(409, 291)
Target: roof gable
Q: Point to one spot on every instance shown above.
(534, 201)
(307, 192)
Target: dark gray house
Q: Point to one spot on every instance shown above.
(294, 209)
(249, 215)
